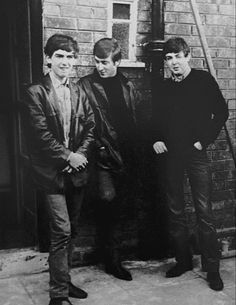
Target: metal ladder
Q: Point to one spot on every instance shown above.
(209, 63)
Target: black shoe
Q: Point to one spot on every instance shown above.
(178, 270)
(60, 301)
(76, 292)
(215, 281)
(118, 271)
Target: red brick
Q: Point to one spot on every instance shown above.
(145, 5)
(144, 27)
(93, 3)
(60, 23)
(218, 185)
(208, 8)
(232, 83)
(221, 63)
(85, 36)
(221, 155)
(49, 32)
(51, 9)
(217, 30)
(197, 52)
(206, 1)
(218, 42)
(229, 94)
(226, 10)
(85, 48)
(224, 2)
(186, 18)
(220, 144)
(226, 53)
(233, 42)
(218, 19)
(82, 71)
(197, 63)
(92, 25)
(230, 184)
(78, 11)
(223, 83)
(85, 60)
(144, 15)
(100, 13)
(179, 29)
(226, 73)
(232, 104)
(177, 6)
(61, 2)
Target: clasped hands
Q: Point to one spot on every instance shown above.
(160, 147)
(77, 162)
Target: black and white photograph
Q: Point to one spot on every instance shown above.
(118, 152)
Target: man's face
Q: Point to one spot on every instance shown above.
(106, 67)
(61, 63)
(178, 63)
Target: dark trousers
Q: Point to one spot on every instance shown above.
(114, 194)
(196, 164)
(64, 210)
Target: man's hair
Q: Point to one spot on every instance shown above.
(176, 45)
(105, 47)
(61, 42)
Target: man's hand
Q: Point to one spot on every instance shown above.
(160, 147)
(198, 145)
(77, 161)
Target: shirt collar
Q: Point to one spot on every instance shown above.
(56, 82)
(179, 78)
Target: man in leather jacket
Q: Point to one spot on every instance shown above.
(59, 124)
(112, 97)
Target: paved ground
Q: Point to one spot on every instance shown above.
(24, 281)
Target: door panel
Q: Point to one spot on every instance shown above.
(18, 212)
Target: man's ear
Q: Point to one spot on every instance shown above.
(188, 56)
(117, 63)
(48, 59)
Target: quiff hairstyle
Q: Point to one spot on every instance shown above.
(176, 45)
(105, 47)
(61, 42)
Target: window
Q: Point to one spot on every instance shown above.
(122, 25)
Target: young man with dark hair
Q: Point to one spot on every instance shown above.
(188, 117)
(59, 124)
(112, 98)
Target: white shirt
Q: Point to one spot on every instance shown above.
(63, 94)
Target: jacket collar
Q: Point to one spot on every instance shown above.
(124, 85)
(97, 78)
(47, 83)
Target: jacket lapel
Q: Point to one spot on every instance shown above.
(53, 102)
(73, 97)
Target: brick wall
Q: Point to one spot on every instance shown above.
(86, 20)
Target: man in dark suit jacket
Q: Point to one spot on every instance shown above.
(112, 97)
(59, 125)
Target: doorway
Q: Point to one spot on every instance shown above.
(21, 61)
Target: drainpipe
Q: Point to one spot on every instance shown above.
(155, 46)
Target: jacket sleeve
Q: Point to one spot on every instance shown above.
(85, 85)
(87, 143)
(36, 126)
(218, 110)
(134, 101)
